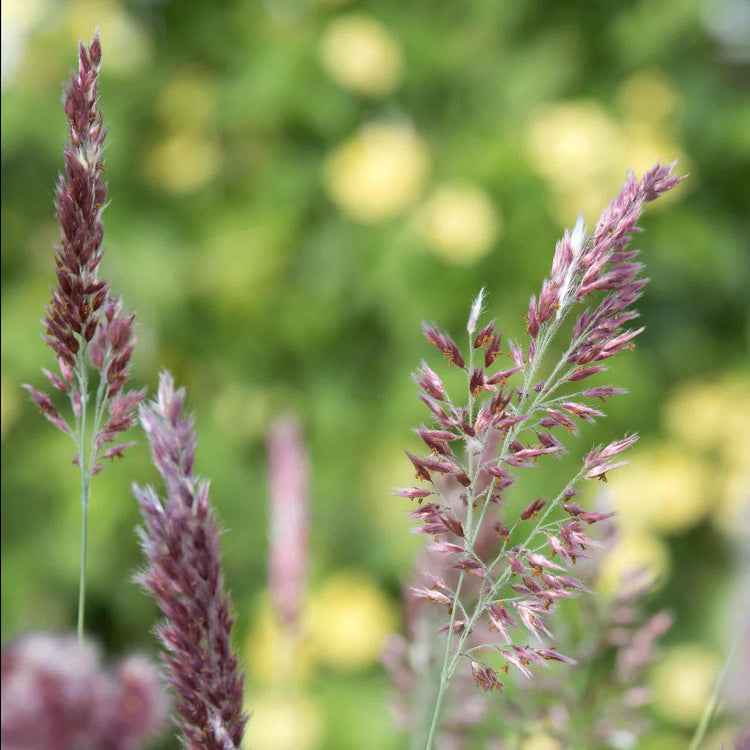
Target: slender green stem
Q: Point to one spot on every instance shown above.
(444, 676)
(84, 545)
(85, 489)
(713, 703)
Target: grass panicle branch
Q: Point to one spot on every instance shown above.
(476, 450)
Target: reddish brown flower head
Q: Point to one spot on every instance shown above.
(82, 317)
(445, 344)
(533, 508)
(72, 314)
(184, 574)
(485, 677)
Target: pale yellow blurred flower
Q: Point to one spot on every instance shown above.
(19, 17)
(272, 655)
(634, 552)
(733, 514)
(584, 153)
(565, 204)
(283, 722)
(573, 143)
(541, 741)
(646, 143)
(378, 172)
(360, 53)
(350, 618)
(184, 162)
(25, 12)
(663, 488)
(10, 402)
(648, 96)
(187, 102)
(682, 681)
(126, 45)
(574, 146)
(712, 416)
(459, 222)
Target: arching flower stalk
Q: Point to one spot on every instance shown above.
(522, 579)
(84, 323)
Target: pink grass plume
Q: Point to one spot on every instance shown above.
(288, 483)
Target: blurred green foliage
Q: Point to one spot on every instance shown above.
(291, 196)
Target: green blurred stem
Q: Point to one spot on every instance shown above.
(713, 703)
(444, 675)
(85, 488)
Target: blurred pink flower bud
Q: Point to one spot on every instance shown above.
(288, 479)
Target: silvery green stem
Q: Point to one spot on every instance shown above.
(713, 703)
(445, 673)
(85, 490)
(444, 677)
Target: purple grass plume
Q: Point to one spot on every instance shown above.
(464, 479)
(84, 324)
(184, 575)
(56, 695)
(288, 480)
(82, 318)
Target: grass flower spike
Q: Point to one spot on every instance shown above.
(84, 325)
(476, 448)
(184, 575)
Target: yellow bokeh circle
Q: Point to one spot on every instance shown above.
(359, 53)
(459, 222)
(378, 172)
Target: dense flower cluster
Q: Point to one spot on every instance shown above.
(503, 428)
(55, 694)
(184, 575)
(82, 316)
(72, 314)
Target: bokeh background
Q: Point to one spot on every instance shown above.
(294, 187)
